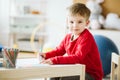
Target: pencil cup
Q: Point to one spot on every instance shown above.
(9, 57)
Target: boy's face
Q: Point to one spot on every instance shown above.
(76, 24)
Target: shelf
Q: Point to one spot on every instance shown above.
(112, 34)
(35, 16)
(25, 16)
(105, 31)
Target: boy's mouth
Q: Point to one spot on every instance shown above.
(76, 29)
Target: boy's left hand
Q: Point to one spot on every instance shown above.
(47, 61)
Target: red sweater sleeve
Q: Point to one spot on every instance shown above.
(79, 53)
(58, 51)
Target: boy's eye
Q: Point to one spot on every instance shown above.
(79, 21)
(71, 21)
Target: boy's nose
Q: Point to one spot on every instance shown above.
(75, 25)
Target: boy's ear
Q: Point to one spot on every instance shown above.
(87, 22)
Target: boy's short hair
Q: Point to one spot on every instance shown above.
(79, 9)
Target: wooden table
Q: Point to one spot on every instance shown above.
(42, 71)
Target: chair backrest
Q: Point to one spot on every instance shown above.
(115, 71)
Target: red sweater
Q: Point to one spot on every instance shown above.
(82, 50)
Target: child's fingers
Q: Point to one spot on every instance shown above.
(43, 62)
(42, 55)
(48, 61)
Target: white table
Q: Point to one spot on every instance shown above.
(41, 71)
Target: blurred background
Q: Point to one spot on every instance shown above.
(34, 24)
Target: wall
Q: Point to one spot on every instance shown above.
(111, 6)
(56, 19)
(4, 21)
(56, 14)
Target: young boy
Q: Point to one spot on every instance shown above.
(79, 45)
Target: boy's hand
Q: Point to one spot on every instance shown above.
(47, 61)
(41, 56)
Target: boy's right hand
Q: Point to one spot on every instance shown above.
(41, 56)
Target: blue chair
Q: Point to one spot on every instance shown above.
(106, 46)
